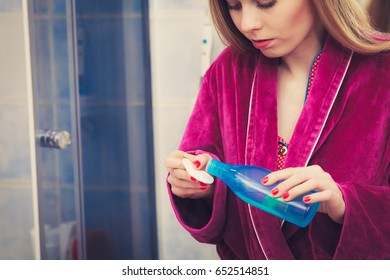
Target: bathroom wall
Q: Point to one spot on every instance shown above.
(115, 120)
(176, 51)
(16, 207)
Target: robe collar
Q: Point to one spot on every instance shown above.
(261, 140)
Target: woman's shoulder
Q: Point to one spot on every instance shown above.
(370, 74)
(373, 63)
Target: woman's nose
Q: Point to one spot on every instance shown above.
(250, 20)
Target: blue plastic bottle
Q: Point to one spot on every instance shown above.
(245, 182)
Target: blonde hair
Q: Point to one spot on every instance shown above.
(345, 20)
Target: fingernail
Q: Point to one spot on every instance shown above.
(275, 191)
(203, 184)
(306, 199)
(265, 180)
(203, 189)
(196, 163)
(193, 179)
(285, 195)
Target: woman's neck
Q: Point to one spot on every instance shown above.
(292, 85)
(299, 61)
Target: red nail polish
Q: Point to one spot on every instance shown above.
(203, 184)
(203, 189)
(193, 179)
(196, 163)
(265, 180)
(275, 191)
(285, 195)
(306, 199)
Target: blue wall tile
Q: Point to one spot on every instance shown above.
(53, 46)
(101, 7)
(49, 7)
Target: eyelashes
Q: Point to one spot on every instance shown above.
(262, 4)
(266, 4)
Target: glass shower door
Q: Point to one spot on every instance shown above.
(55, 89)
(93, 115)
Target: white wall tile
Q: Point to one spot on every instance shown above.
(14, 143)
(7, 6)
(13, 76)
(177, 50)
(15, 167)
(176, 38)
(16, 225)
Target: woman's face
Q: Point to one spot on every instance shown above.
(276, 27)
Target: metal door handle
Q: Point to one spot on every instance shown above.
(57, 139)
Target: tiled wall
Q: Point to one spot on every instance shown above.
(176, 38)
(16, 208)
(118, 193)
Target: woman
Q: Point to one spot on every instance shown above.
(302, 90)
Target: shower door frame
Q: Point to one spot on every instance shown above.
(148, 247)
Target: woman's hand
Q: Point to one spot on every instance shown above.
(301, 180)
(182, 184)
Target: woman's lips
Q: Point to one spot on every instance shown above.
(261, 44)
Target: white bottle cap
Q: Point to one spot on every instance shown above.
(200, 175)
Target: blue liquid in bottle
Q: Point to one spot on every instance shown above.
(245, 182)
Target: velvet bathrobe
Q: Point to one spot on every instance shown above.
(343, 127)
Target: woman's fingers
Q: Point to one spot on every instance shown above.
(173, 163)
(182, 183)
(295, 181)
(314, 184)
(300, 173)
(200, 161)
(318, 196)
(175, 160)
(290, 192)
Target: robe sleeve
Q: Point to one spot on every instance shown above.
(202, 135)
(365, 231)
(366, 228)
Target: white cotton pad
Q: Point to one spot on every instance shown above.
(199, 175)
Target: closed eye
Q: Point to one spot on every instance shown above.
(266, 4)
(262, 4)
